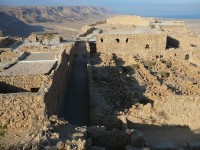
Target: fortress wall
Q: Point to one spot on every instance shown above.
(56, 90)
(54, 40)
(43, 48)
(20, 110)
(129, 20)
(131, 43)
(23, 82)
(26, 109)
(44, 38)
(186, 42)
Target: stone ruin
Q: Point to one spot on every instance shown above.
(142, 78)
(148, 78)
(46, 38)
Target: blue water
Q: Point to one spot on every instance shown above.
(162, 12)
(194, 15)
(183, 15)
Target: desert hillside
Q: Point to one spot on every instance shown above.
(53, 14)
(21, 21)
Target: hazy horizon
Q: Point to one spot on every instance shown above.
(162, 8)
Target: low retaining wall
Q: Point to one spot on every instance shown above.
(131, 43)
(28, 47)
(22, 82)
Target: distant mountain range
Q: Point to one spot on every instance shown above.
(53, 14)
(17, 21)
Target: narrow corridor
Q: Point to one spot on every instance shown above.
(76, 101)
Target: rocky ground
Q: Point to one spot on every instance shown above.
(132, 86)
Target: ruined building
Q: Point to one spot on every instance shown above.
(126, 83)
(44, 38)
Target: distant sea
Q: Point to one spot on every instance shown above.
(190, 15)
(176, 15)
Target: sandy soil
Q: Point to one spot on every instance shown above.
(193, 25)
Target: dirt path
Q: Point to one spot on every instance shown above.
(76, 107)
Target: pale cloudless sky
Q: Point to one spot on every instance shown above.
(158, 8)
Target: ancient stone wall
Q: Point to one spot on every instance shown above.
(186, 42)
(21, 110)
(27, 109)
(32, 38)
(23, 82)
(42, 48)
(7, 55)
(96, 103)
(129, 20)
(56, 90)
(131, 43)
(46, 38)
(54, 40)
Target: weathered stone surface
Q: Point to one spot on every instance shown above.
(96, 148)
(137, 139)
(194, 145)
(164, 146)
(111, 139)
(129, 147)
(60, 145)
(111, 122)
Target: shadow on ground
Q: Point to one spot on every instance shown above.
(12, 26)
(121, 90)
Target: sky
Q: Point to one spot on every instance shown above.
(157, 8)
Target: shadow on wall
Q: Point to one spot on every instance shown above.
(154, 137)
(75, 108)
(12, 26)
(7, 88)
(120, 89)
(172, 43)
(178, 135)
(53, 98)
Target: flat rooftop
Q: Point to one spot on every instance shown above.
(137, 30)
(29, 68)
(41, 33)
(40, 57)
(172, 23)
